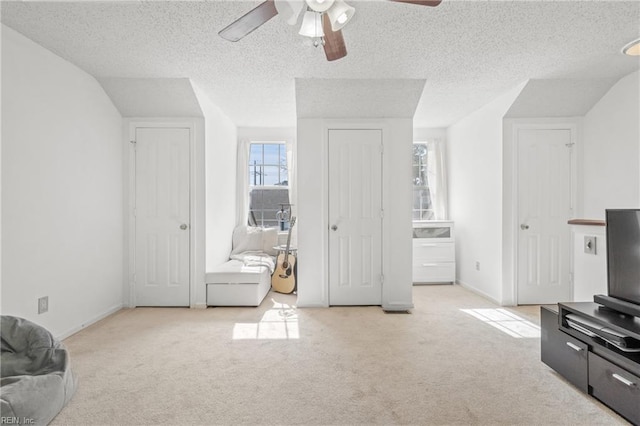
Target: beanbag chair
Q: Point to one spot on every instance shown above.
(36, 381)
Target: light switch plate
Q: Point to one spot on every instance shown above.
(590, 245)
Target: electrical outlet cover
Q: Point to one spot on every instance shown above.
(43, 304)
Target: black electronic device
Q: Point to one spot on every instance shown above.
(623, 262)
(595, 329)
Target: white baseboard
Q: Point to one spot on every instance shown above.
(200, 306)
(397, 306)
(478, 292)
(312, 305)
(93, 320)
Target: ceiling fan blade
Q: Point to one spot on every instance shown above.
(334, 46)
(249, 21)
(431, 3)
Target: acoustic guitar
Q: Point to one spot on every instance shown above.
(283, 279)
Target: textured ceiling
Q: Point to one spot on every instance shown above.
(469, 52)
(362, 98)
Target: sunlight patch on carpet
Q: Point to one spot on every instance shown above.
(278, 323)
(507, 322)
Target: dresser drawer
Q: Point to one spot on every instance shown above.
(436, 230)
(433, 252)
(433, 272)
(563, 353)
(615, 386)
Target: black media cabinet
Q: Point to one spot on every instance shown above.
(593, 365)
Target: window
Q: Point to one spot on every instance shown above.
(268, 185)
(423, 175)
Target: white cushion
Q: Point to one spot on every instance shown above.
(254, 239)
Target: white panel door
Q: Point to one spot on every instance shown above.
(544, 207)
(162, 217)
(355, 217)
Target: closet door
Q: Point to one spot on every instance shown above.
(162, 231)
(544, 207)
(355, 217)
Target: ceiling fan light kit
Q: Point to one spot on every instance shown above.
(632, 49)
(323, 21)
(311, 25)
(289, 10)
(340, 14)
(320, 5)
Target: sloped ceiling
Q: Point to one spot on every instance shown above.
(152, 97)
(469, 52)
(559, 97)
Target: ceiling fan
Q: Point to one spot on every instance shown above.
(323, 21)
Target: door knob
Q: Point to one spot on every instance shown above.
(524, 227)
(334, 227)
(183, 226)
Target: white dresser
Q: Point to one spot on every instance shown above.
(434, 252)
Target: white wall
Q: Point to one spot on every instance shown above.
(610, 177)
(397, 290)
(221, 138)
(0, 168)
(589, 270)
(312, 225)
(611, 167)
(475, 161)
(267, 134)
(313, 208)
(62, 192)
(424, 133)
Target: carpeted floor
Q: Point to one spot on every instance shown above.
(455, 359)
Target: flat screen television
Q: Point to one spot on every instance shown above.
(623, 261)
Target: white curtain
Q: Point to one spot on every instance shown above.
(293, 195)
(438, 181)
(242, 185)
